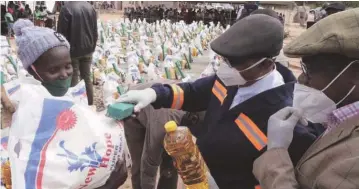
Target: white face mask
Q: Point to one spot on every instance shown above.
(230, 76)
(315, 104)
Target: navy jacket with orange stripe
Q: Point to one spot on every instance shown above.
(230, 140)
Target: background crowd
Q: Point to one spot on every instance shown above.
(207, 15)
(41, 16)
(15, 10)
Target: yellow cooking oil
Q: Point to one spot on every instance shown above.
(186, 156)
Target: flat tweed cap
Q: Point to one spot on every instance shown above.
(253, 36)
(335, 34)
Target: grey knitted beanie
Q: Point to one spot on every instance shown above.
(33, 41)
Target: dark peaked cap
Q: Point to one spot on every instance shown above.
(254, 36)
(335, 34)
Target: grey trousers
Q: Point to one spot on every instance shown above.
(82, 68)
(144, 135)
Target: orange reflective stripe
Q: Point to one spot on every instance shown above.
(220, 87)
(255, 128)
(257, 187)
(217, 94)
(178, 97)
(252, 132)
(219, 91)
(248, 135)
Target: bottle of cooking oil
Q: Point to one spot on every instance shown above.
(187, 158)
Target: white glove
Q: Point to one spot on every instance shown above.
(141, 98)
(281, 126)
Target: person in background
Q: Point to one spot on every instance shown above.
(10, 23)
(59, 5)
(78, 23)
(302, 16)
(239, 11)
(327, 93)
(40, 15)
(238, 101)
(27, 12)
(21, 10)
(281, 18)
(335, 7)
(37, 12)
(248, 8)
(11, 7)
(37, 15)
(319, 12)
(44, 10)
(127, 12)
(4, 27)
(17, 13)
(45, 54)
(161, 10)
(190, 15)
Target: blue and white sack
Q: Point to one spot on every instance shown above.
(57, 143)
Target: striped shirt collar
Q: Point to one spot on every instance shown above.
(342, 114)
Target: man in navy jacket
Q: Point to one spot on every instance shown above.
(238, 101)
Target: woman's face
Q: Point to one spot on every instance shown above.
(54, 64)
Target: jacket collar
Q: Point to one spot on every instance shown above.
(271, 81)
(272, 97)
(335, 136)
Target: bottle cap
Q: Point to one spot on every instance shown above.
(170, 126)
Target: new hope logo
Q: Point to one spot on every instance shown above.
(90, 158)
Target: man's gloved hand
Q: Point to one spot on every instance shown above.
(141, 98)
(281, 126)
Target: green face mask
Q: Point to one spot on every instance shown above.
(58, 87)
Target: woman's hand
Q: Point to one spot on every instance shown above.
(5, 101)
(117, 178)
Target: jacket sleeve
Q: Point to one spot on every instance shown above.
(63, 23)
(274, 170)
(191, 96)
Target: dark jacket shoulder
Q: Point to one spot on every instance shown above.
(287, 74)
(78, 23)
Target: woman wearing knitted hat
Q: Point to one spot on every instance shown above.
(45, 54)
